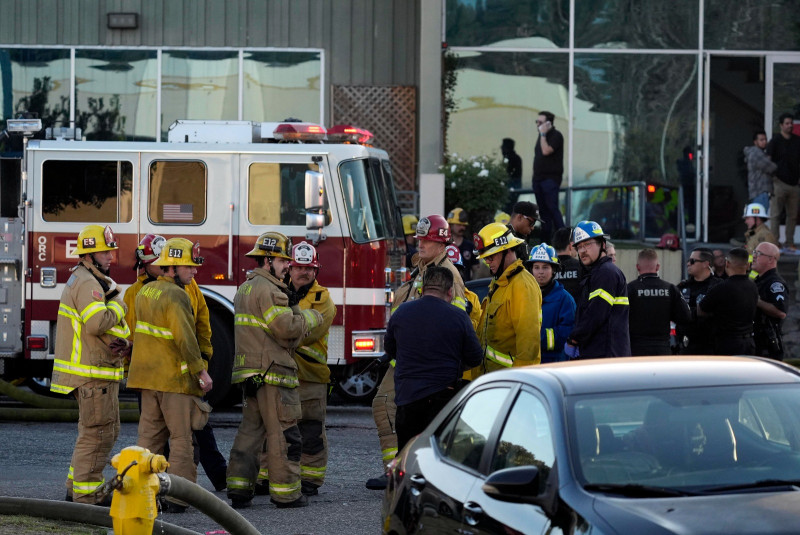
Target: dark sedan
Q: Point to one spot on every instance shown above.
(611, 446)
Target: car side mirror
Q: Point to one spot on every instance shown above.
(523, 484)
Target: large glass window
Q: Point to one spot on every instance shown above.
(463, 438)
(634, 115)
(363, 200)
(276, 193)
(278, 85)
(508, 23)
(35, 80)
(639, 24)
(87, 191)
(115, 95)
(499, 95)
(199, 85)
(754, 25)
(177, 192)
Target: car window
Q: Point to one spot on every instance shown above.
(463, 438)
(527, 438)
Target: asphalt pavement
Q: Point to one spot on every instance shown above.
(35, 458)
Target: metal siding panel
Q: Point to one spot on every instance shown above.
(235, 23)
(150, 23)
(341, 61)
(27, 19)
(318, 23)
(382, 42)
(173, 23)
(216, 21)
(87, 26)
(360, 43)
(299, 24)
(8, 26)
(257, 23)
(194, 25)
(70, 24)
(132, 37)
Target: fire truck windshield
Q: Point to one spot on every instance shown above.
(366, 207)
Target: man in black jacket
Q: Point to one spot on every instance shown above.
(570, 273)
(772, 304)
(694, 338)
(654, 303)
(784, 149)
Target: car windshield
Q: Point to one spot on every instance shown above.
(689, 439)
(364, 200)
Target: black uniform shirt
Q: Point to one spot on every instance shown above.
(551, 166)
(468, 258)
(570, 274)
(653, 304)
(733, 305)
(772, 289)
(698, 331)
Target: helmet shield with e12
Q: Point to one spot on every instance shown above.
(494, 238)
(180, 252)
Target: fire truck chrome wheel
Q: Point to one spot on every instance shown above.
(360, 388)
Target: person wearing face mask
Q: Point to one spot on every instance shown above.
(91, 321)
(167, 365)
(268, 326)
(558, 306)
(510, 323)
(601, 322)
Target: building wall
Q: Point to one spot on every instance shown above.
(367, 42)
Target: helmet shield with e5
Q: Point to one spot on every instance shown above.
(94, 239)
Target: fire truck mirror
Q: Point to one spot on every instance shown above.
(315, 192)
(315, 221)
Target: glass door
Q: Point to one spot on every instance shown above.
(782, 96)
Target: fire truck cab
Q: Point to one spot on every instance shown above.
(222, 184)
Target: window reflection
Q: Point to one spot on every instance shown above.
(36, 81)
(760, 25)
(499, 95)
(177, 192)
(116, 94)
(640, 24)
(634, 114)
(87, 191)
(278, 85)
(276, 193)
(508, 23)
(199, 85)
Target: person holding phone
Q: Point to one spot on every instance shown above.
(548, 171)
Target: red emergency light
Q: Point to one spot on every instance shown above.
(299, 132)
(364, 344)
(345, 133)
(37, 343)
(651, 188)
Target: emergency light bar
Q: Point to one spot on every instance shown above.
(345, 133)
(23, 126)
(299, 132)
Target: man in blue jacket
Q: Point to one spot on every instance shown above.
(432, 343)
(601, 323)
(558, 306)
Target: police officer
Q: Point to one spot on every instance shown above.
(524, 216)
(91, 315)
(601, 321)
(167, 365)
(511, 321)
(569, 274)
(654, 303)
(771, 303)
(695, 337)
(267, 328)
(732, 306)
(433, 236)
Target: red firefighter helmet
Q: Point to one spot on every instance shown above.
(150, 248)
(304, 254)
(433, 228)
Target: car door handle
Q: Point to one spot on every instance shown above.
(417, 481)
(472, 513)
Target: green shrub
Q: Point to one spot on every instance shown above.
(477, 184)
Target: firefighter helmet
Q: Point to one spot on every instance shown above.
(755, 209)
(493, 238)
(454, 255)
(587, 230)
(409, 224)
(150, 248)
(502, 217)
(304, 255)
(94, 239)
(543, 253)
(179, 252)
(272, 244)
(433, 228)
(458, 216)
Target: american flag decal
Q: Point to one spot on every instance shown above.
(177, 212)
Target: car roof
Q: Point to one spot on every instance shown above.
(653, 373)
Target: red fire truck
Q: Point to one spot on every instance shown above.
(220, 183)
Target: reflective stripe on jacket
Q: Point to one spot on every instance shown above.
(511, 320)
(267, 330)
(312, 354)
(86, 325)
(166, 356)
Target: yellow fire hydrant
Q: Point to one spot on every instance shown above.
(133, 507)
